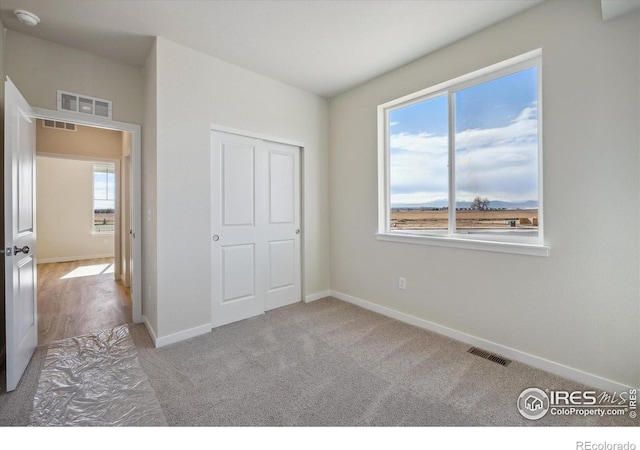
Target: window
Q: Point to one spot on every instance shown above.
(104, 198)
(460, 163)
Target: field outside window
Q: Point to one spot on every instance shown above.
(463, 160)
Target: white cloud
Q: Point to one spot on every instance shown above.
(421, 142)
(530, 112)
(418, 171)
(498, 163)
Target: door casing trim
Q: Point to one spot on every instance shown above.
(136, 190)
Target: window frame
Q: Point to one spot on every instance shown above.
(509, 244)
(105, 165)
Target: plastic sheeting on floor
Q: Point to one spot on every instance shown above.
(95, 380)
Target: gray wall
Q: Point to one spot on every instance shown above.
(578, 307)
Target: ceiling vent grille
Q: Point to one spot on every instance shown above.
(68, 101)
(490, 356)
(65, 126)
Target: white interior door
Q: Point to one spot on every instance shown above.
(20, 234)
(255, 226)
(283, 226)
(238, 208)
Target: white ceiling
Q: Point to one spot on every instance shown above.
(323, 47)
(614, 8)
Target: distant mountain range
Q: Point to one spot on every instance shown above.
(494, 204)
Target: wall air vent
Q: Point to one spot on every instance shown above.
(65, 126)
(490, 356)
(68, 101)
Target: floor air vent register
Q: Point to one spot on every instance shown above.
(490, 356)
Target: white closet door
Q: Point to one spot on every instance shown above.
(238, 209)
(255, 226)
(283, 227)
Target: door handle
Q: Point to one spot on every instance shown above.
(24, 249)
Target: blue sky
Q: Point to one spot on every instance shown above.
(104, 188)
(496, 144)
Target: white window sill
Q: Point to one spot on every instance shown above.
(472, 244)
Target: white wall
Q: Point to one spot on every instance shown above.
(580, 306)
(64, 209)
(193, 92)
(39, 68)
(149, 193)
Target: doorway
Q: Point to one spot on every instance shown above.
(80, 217)
(83, 222)
(19, 223)
(127, 242)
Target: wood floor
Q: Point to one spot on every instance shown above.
(79, 297)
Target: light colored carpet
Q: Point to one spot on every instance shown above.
(330, 363)
(327, 363)
(16, 406)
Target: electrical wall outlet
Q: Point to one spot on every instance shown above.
(402, 283)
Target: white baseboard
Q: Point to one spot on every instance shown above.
(73, 258)
(516, 355)
(317, 296)
(182, 335)
(151, 331)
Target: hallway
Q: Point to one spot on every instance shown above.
(79, 297)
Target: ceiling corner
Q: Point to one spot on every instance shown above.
(615, 8)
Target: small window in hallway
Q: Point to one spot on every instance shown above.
(104, 198)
